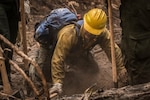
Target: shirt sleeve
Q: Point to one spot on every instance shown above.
(66, 40)
(105, 43)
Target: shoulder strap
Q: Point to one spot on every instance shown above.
(78, 25)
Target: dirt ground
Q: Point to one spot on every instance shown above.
(39, 9)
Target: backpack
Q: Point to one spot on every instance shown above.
(46, 31)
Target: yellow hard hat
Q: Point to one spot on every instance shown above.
(95, 21)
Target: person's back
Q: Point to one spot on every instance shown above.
(135, 23)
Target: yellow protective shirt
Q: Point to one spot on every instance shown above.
(67, 39)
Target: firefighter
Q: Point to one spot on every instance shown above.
(135, 23)
(9, 18)
(93, 31)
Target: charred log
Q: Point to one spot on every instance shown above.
(137, 92)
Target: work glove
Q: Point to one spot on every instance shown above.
(122, 77)
(57, 88)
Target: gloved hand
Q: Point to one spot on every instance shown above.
(122, 77)
(57, 88)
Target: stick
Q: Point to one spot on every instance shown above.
(25, 76)
(24, 42)
(6, 84)
(7, 95)
(114, 69)
(30, 60)
(53, 95)
(24, 32)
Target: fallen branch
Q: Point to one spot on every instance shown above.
(53, 95)
(25, 76)
(30, 60)
(72, 4)
(137, 92)
(6, 84)
(7, 96)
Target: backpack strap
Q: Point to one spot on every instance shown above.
(78, 25)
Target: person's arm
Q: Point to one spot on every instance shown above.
(105, 43)
(66, 40)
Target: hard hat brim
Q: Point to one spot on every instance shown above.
(91, 30)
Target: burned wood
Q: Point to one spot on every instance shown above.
(137, 92)
(20, 53)
(88, 92)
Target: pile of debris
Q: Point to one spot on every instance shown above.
(137, 92)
